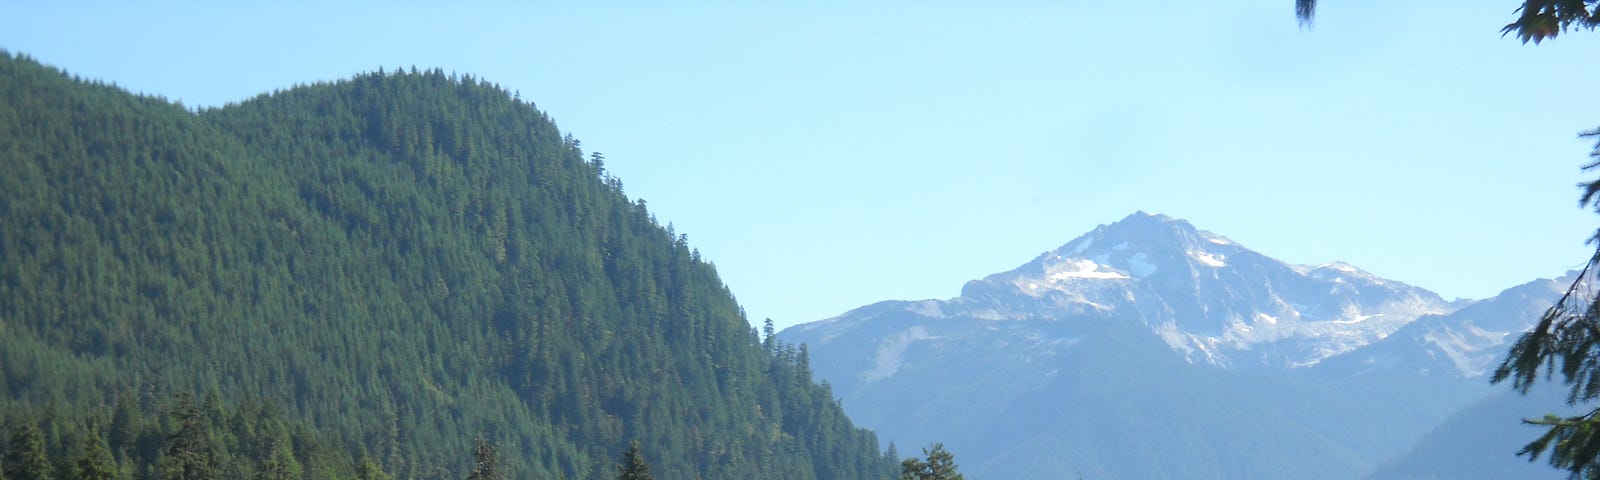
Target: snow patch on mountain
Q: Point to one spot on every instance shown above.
(1208, 297)
(1468, 342)
(1139, 264)
(928, 308)
(891, 354)
(1342, 267)
(1209, 259)
(1472, 350)
(1083, 268)
(1176, 339)
(1109, 318)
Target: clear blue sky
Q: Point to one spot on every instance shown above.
(826, 155)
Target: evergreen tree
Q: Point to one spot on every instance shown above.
(368, 469)
(1566, 340)
(769, 337)
(633, 466)
(123, 429)
(891, 458)
(400, 261)
(189, 453)
(939, 465)
(25, 457)
(94, 463)
(486, 462)
(1537, 19)
(280, 464)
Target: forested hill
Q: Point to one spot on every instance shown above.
(401, 263)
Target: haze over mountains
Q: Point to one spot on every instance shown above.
(1148, 348)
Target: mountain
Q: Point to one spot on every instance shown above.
(1148, 348)
(403, 262)
(1468, 343)
(1215, 301)
(1476, 442)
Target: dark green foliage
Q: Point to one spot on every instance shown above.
(188, 454)
(368, 469)
(1536, 19)
(1305, 10)
(633, 466)
(939, 465)
(25, 457)
(280, 464)
(1566, 341)
(486, 463)
(1541, 19)
(95, 462)
(406, 260)
(173, 438)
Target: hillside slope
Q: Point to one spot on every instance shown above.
(411, 260)
(1480, 441)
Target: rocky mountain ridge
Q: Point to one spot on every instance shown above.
(1148, 348)
(1214, 300)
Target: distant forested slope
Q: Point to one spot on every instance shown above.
(401, 263)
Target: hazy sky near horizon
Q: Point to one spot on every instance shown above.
(826, 155)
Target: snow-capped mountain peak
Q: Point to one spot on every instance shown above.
(1152, 316)
(1137, 247)
(1205, 295)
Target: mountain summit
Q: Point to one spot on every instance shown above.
(1148, 348)
(1203, 294)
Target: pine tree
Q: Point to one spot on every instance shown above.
(633, 466)
(25, 457)
(1537, 19)
(486, 464)
(369, 228)
(769, 337)
(1566, 340)
(95, 462)
(368, 469)
(940, 465)
(280, 463)
(124, 428)
(890, 457)
(188, 449)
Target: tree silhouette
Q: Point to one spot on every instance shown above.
(1566, 340)
(1537, 19)
(633, 466)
